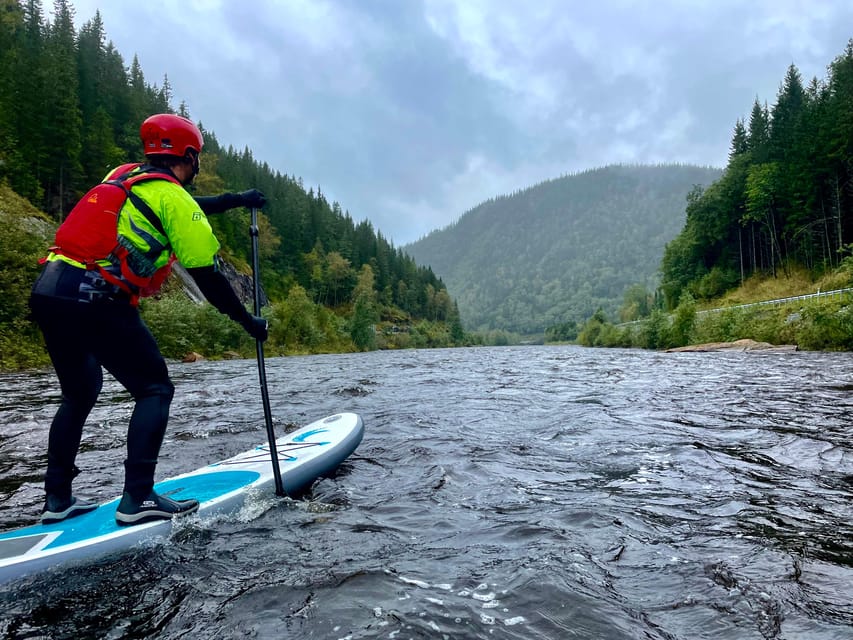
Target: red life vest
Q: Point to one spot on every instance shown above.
(89, 233)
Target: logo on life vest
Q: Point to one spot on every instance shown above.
(93, 198)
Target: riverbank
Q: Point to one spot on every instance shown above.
(736, 345)
(810, 322)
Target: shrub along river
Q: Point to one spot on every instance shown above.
(523, 492)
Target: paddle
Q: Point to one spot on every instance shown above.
(262, 374)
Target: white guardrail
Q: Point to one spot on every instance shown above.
(780, 301)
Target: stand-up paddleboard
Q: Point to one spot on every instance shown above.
(304, 455)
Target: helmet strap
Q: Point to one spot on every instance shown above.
(189, 161)
(195, 163)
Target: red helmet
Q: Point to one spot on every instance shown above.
(168, 134)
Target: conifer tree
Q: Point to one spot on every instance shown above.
(61, 119)
(100, 149)
(70, 111)
(28, 84)
(759, 131)
(740, 143)
(12, 162)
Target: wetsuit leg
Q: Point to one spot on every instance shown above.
(81, 337)
(63, 324)
(135, 361)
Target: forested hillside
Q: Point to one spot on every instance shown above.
(557, 252)
(785, 198)
(70, 110)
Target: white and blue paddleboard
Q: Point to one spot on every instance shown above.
(304, 455)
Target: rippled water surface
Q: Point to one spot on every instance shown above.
(536, 492)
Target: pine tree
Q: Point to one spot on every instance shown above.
(12, 161)
(26, 116)
(740, 143)
(118, 104)
(786, 116)
(62, 122)
(758, 136)
(99, 139)
(839, 141)
(788, 148)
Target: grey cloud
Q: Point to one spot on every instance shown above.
(409, 113)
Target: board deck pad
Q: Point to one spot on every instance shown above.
(304, 455)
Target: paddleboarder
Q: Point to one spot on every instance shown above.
(85, 303)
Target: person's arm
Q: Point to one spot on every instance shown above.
(196, 248)
(225, 201)
(216, 288)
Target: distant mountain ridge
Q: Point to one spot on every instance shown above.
(562, 249)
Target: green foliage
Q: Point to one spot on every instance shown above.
(297, 325)
(826, 326)
(816, 325)
(819, 324)
(23, 237)
(429, 334)
(556, 252)
(365, 314)
(21, 346)
(680, 266)
(822, 324)
(723, 326)
(785, 198)
(656, 331)
(637, 303)
(683, 321)
(495, 338)
(301, 326)
(181, 326)
(595, 331)
(713, 284)
(70, 110)
(457, 332)
(563, 332)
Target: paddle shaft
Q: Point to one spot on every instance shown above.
(262, 373)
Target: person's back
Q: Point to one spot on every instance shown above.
(85, 302)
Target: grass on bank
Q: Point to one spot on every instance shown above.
(798, 282)
(816, 324)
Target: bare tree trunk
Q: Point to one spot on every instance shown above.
(774, 240)
(754, 252)
(740, 251)
(825, 245)
(838, 213)
(61, 189)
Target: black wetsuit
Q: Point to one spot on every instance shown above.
(81, 337)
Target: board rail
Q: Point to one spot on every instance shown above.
(304, 455)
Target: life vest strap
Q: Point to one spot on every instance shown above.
(123, 177)
(126, 181)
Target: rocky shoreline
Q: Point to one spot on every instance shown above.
(737, 345)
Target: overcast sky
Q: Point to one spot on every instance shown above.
(409, 113)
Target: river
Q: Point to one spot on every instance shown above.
(507, 493)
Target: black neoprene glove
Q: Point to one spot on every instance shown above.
(252, 199)
(257, 327)
(225, 201)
